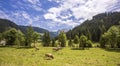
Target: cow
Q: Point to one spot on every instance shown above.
(36, 48)
(49, 56)
(57, 48)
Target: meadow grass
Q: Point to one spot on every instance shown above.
(10, 56)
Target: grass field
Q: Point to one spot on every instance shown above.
(66, 57)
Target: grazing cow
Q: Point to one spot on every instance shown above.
(57, 48)
(36, 48)
(49, 55)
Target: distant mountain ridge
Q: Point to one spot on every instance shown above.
(37, 29)
(6, 24)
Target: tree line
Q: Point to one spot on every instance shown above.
(16, 37)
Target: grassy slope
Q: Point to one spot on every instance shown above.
(65, 57)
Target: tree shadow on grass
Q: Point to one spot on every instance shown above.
(16, 47)
(112, 49)
(6, 46)
(24, 47)
(78, 48)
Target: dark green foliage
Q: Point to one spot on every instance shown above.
(53, 42)
(0, 36)
(70, 43)
(20, 39)
(14, 37)
(113, 34)
(76, 39)
(110, 39)
(36, 36)
(29, 36)
(89, 43)
(46, 39)
(10, 36)
(83, 41)
(62, 39)
(103, 41)
(118, 41)
(94, 28)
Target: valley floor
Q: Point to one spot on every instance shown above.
(66, 57)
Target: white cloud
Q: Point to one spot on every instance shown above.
(50, 16)
(34, 4)
(84, 9)
(27, 16)
(3, 15)
(33, 1)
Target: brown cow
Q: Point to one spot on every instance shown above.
(49, 55)
(57, 48)
(36, 48)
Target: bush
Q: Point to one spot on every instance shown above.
(89, 43)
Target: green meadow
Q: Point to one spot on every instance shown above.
(11, 56)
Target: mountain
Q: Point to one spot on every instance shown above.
(7, 24)
(37, 29)
(95, 27)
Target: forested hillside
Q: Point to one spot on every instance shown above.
(94, 28)
(7, 24)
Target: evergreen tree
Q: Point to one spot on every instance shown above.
(29, 36)
(62, 39)
(20, 39)
(46, 39)
(53, 42)
(0, 36)
(83, 41)
(70, 43)
(103, 41)
(36, 36)
(76, 39)
(118, 41)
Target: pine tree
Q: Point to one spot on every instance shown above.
(20, 39)
(46, 39)
(53, 42)
(70, 43)
(36, 36)
(29, 36)
(76, 39)
(62, 39)
(0, 36)
(83, 41)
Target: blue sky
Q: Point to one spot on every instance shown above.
(54, 15)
